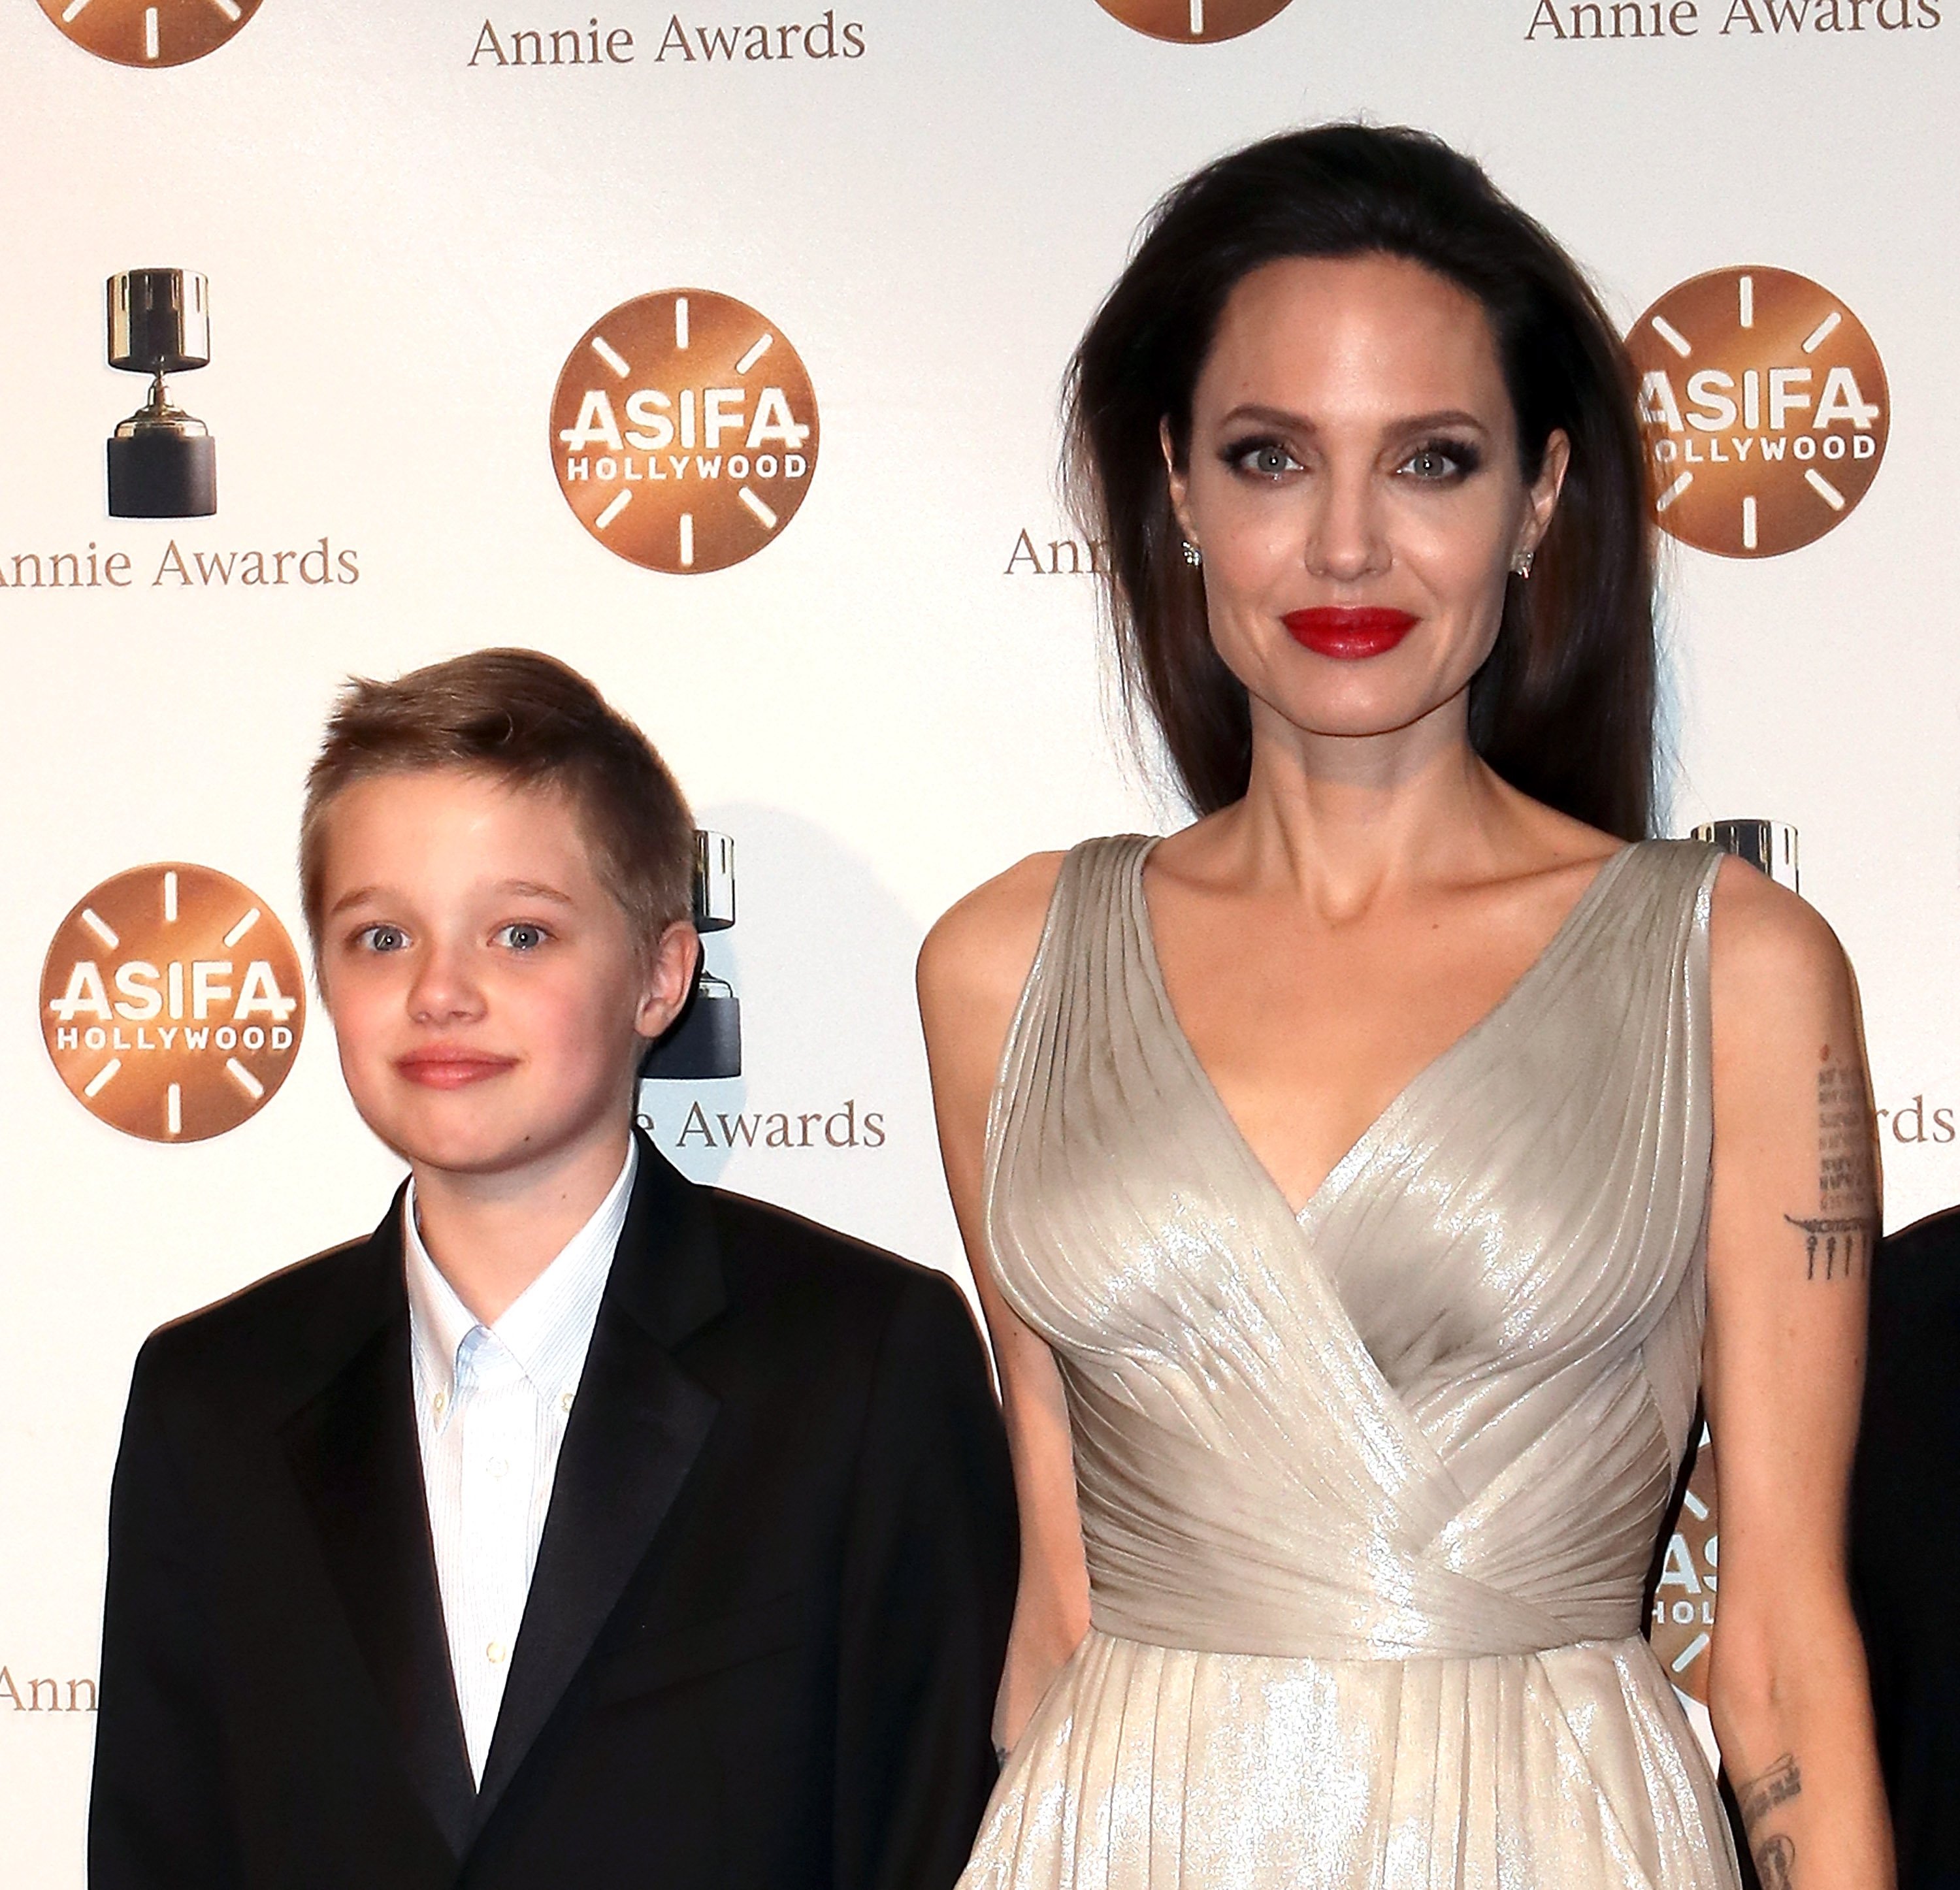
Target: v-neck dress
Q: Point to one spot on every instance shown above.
(1369, 1494)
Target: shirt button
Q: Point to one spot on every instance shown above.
(494, 1653)
(496, 1466)
(440, 1402)
(564, 1401)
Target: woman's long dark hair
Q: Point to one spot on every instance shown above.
(1564, 709)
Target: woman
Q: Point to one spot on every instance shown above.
(1346, 1174)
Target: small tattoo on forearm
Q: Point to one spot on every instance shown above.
(1774, 1853)
(1777, 1786)
(1774, 1858)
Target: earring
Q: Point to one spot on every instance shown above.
(1192, 555)
(1521, 564)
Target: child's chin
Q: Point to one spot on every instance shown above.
(471, 1158)
(458, 1150)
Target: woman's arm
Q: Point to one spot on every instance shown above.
(970, 971)
(1793, 1216)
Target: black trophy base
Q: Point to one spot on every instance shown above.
(706, 1043)
(158, 473)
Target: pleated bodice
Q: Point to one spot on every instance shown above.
(1433, 1417)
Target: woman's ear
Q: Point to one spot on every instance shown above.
(1179, 482)
(1542, 496)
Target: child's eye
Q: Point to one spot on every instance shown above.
(381, 938)
(521, 936)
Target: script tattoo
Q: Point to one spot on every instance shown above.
(1782, 1782)
(1840, 1234)
(1774, 1853)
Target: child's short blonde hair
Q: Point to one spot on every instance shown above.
(531, 720)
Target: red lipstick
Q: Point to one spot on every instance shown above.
(441, 1067)
(1348, 634)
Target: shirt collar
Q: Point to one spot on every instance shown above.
(546, 1330)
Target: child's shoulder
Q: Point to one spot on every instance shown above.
(279, 1332)
(837, 1284)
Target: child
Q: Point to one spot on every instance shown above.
(581, 1526)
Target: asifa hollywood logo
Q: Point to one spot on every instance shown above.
(1194, 22)
(150, 32)
(172, 1003)
(1764, 408)
(1682, 1625)
(684, 431)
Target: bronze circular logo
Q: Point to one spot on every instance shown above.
(1194, 22)
(150, 32)
(684, 431)
(1764, 408)
(173, 1002)
(1683, 1622)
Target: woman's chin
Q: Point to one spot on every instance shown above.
(1361, 709)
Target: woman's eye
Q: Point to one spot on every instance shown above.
(381, 938)
(522, 937)
(1263, 459)
(1441, 460)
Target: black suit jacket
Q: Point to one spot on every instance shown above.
(1905, 1541)
(762, 1639)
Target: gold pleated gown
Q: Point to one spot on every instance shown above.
(1368, 1494)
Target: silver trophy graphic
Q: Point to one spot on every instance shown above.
(1769, 846)
(705, 1041)
(163, 463)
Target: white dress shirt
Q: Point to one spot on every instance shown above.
(492, 1403)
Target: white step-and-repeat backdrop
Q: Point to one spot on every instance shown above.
(716, 351)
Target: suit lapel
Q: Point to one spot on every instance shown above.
(355, 1457)
(636, 1427)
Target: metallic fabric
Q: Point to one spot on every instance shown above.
(1368, 1495)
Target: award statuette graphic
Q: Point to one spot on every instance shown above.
(162, 463)
(705, 1041)
(172, 1002)
(684, 432)
(150, 32)
(1194, 22)
(1764, 410)
(1769, 846)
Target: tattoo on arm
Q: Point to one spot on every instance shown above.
(1839, 1241)
(1774, 1857)
(1840, 1232)
(1761, 1795)
(1775, 1854)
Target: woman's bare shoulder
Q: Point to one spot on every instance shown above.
(1766, 939)
(978, 953)
(1780, 985)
